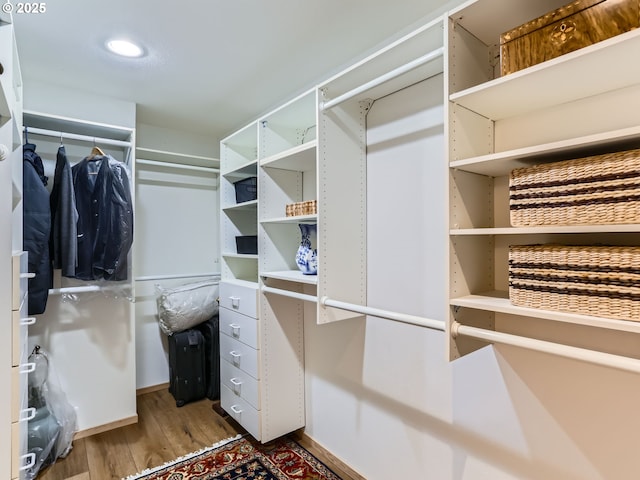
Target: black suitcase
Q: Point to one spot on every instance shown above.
(211, 332)
(187, 366)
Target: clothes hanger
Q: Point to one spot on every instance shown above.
(95, 151)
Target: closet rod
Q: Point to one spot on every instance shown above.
(407, 67)
(289, 293)
(178, 165)
(177, 275)
(84, 288)
(75, 136)
(386, 314)
(590, 356)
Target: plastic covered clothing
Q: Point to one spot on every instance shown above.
(36, 228)
(105, 218)
(63, 242)
(51, 430)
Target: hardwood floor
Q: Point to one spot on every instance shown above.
(163, 433)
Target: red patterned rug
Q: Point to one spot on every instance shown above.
(242, 459)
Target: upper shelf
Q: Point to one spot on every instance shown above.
(247, 169)
(300, 158)
(563, 79)
(501, 163)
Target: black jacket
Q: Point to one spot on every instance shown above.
(36, 227)
(105, 218)
(64, 218)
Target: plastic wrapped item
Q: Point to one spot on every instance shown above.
(183, 307)
(50, 432)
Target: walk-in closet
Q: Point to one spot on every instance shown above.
(414, 272)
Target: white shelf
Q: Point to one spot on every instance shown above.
(240, 255)
(631, 228)
(291, 276)
(501, 163)
(498, 301)
(251, 205)
(296, 219)
(245, 170)
(301, 158)
(563, 79)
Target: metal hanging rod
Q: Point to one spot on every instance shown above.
(590, 356)
(86, 288)
(175, 276)
(178, 165)
(386, 314)
(75, 136)
(407, 67)
(289, 293)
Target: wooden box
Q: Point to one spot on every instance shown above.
(569, 28)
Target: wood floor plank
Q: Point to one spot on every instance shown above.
(109, 456)
(74, 464)
(148, 444)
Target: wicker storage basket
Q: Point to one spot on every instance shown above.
(602, 281)
(601, 189)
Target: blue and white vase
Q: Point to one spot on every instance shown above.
(307, 255)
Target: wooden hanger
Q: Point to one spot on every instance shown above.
(95, 151)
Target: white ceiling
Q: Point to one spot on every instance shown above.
(211, 65)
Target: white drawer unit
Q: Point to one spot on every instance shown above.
(19, 334)
(241, 411)
(20, 279)
(241, 297)
(240, 383)
(239, 326)
(239, 355)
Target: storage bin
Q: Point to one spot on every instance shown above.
(600, 189)
(566, 29)
(601, 281)
(246, 189)
(247, 244)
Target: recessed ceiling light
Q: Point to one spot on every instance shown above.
(125, 48)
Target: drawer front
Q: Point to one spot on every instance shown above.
(240, 411)
(20, 281)
(19, 447)
(239, 326)
(239, 355)
(240, 383)
(239, 298)
(20, 334)
(19, 391)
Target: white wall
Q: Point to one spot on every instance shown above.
(177, 232)
(382, 397)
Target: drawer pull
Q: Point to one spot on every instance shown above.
(28, 275)
(27, 367)
(235, 329)
(28, 321)
(236, 410)
(236, 382)
(27, 414)
(235, 302)
(29, 461)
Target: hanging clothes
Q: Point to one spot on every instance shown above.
(36, 228)
(63, 242)
(105, 218)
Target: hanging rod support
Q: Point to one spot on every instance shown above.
(407, 67)
(386, 314)
(590, 356)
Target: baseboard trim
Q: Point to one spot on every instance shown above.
(309, 443)
(152, 388)
(105, 428)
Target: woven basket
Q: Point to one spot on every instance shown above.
(601, 189)
(602, 281)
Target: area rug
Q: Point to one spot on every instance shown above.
(240, 458)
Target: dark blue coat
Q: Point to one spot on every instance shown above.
(105, 218)
(36, 227)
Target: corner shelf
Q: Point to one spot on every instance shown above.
(301, 158)
(250, 205)
(291, 276)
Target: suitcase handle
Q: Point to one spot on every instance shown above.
(236, 410)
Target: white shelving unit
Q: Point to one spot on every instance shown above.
(572, 106)
(344, 101)
(239, 160)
